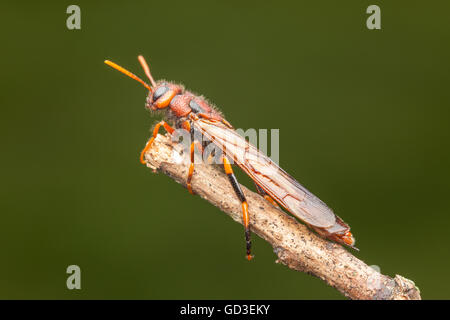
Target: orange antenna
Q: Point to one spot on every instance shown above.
(146, 70)
(128, 73)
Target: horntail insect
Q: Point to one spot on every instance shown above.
(193, 113)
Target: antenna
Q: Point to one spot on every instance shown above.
(146, 70)
(131, 75)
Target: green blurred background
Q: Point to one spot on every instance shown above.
(363, 118)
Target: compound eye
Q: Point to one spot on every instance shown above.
(159, 92)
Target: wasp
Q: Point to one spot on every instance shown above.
(185, 110)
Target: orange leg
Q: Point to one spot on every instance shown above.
(168, 128)
(266, 196)
(273, 202)
(241, 196)
(191, 169)
(187, 126)
(191, 166)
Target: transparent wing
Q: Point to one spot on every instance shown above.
(268, 175)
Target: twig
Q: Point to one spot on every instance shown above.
(295, 245)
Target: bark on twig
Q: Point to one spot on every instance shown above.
(295, 245)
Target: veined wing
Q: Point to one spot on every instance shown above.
(268, 175)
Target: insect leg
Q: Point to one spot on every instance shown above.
(168, 128)
(241, 196)
(191, 167)
(266, 196)
(187, 126)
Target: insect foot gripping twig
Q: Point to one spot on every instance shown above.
(295, 245)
